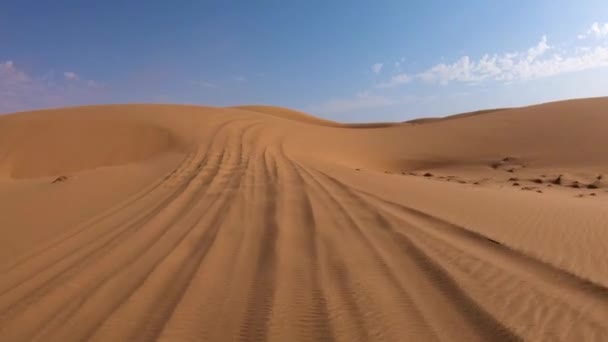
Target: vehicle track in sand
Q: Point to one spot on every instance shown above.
(242, 241)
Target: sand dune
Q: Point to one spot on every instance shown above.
(255, 223)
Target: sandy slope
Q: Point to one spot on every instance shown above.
(148, 222)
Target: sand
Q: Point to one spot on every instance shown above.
(258, 223)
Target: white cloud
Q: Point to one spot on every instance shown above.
(538, 50)
(596, 30)
(240, 78)
(376, 68)
(461, 70)
(538, 61)
(362, 100)
(395, 81)
(510, 67)
(71, 76)
(22, 91)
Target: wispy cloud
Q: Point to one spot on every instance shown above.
(541, 60)
(532, 63)
(362, 100)
(240, 78)
(22, 91)
(538, 50)
(377, 68)
(71, 76)
(395, 81)
(510, 67)
(596, 30)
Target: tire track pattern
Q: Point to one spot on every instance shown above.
(243, 242)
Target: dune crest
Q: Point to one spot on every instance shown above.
(255, 223)
(46, 147)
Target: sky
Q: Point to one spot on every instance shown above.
(343, 60)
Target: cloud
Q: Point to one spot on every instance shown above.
(510, 67)
(71, 76)
(466, 70)
(376, 68)
(461, 70)
(538, 50)
(541, 60)
(596, 30)
(240, 78)
(362, 100)
(21, 91)
(395, 81)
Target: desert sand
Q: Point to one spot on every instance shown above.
(258, 223)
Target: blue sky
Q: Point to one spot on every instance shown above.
(344, 60)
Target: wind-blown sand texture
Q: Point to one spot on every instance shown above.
(254, 223)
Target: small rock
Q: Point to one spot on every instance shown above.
(428, 174)
(60, 179)
(493, 241)
(558, 180)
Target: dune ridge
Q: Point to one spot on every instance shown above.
(259, 223)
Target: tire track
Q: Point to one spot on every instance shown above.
(235, 180)
(166, 222)
(137, 223)
(73, 272)
(301, 292)
(590, 300)
(474, 242)
(98, 219)
(338, 271)
(255, 324)
(75, 259)
(196, 315)
(174, 275)
(95, 222)
(412, 305)
(204, 236)
(484, 325)
(241, 241)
